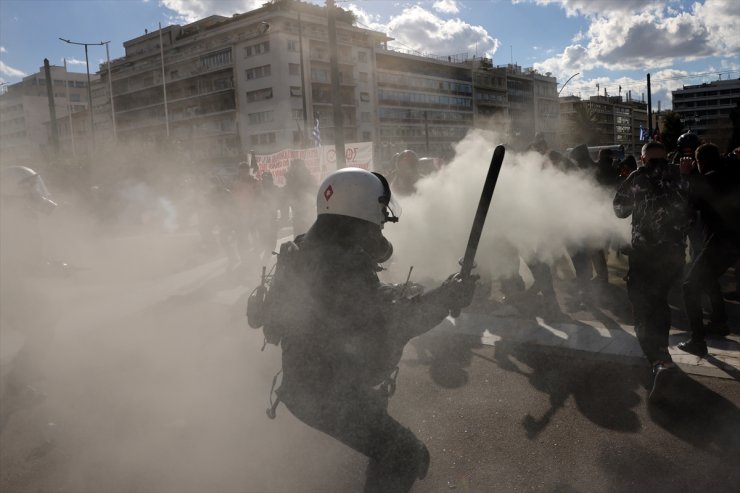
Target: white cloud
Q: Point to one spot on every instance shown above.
(662, 83)
(721, 18)
(600, 7)
(74, 61)
(10, 71)
(653, 38)
(193, 10)
(415, 28)
(420, 30)
(446, 6)
(367, 20)
(3, 50)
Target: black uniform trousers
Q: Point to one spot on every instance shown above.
(718, 254)
(361, 421)
(652, 272)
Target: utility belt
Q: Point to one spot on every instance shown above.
(386, 389)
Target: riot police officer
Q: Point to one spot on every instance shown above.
(23, 197)
(343, 331)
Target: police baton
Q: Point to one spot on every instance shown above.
(468, 261)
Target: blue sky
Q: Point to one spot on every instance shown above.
(609, 42)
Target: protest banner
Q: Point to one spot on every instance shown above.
(320, 160)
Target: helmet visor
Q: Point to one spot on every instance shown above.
(393, 210)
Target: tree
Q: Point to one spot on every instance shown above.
(586, 125)
(735, 121)
(672, 129)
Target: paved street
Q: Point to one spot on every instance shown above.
(156, 384)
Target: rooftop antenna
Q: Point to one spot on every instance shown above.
(511, 49)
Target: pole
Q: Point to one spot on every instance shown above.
(52, 109)
(69, 112)
(426, 130)
(335, 87)
(164, 84)
(303, 80)
(89, 98)
(110, 90)
(89, 87)
(650, 109)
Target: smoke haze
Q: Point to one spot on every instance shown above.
(536, 208)
(153, 382)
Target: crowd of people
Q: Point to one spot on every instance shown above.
(340, 357)
(243, 213)
(691, 198)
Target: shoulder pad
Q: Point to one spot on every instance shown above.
(288, 247)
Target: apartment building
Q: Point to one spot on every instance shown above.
(424, 104)
(533, 105)
(616, 121)
(241, 83)
(259, 80)
(705, 108)
(25, 114)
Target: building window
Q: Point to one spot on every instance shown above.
(320, 75)
(297, 114)
(174, 74)
(362, 56)
(365, 116)
(364, 77)
(256, 49)
(221, 84)
(258, 72)
(367, 136)
(292, 45)
(216, 59)
(296, 136)
(365, 97)
(259, 95)
(266, 138)
(296, 91)
(294, 69)
(260, 117)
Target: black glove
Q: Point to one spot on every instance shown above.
(459, 291)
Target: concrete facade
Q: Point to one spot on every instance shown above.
(618, 121)
(234, 84)
(705, 109)
(25, 115)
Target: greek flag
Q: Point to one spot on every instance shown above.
(316, 132)
(643, 134)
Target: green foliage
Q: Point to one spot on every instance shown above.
(672, 129)
(586, 125)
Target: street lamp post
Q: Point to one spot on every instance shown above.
(566, 82)
(89, 88)
(110, 90)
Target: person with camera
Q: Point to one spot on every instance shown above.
(715, 194)
(661, 216)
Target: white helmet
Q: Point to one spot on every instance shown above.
(358, 193)
(21, 182)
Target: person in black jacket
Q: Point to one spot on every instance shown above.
(661, 216)
(715, 194)
(343, 331)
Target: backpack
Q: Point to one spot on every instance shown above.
(275, 305)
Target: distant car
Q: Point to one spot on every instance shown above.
(593, 151)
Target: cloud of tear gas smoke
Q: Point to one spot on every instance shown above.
(536, 208)
(151, 379)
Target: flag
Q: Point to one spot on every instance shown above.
(657, 137)
(316, 132)
(643, 134)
